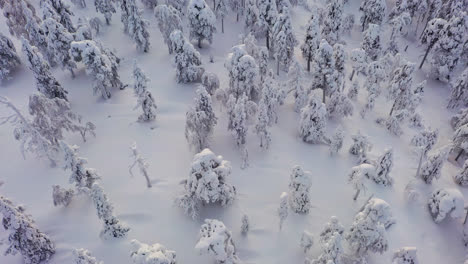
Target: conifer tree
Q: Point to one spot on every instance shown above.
(312, 39)
(145, 98)
(168, 21)
(9, 59)
(201, 20)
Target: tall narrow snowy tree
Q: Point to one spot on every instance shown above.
(333, 20)
(296, 83)
(270, 97)
(267, 17)
(187, 59)
(135, 25)
(312, 122)
(9, 59)
(201, 20)
(383, 167)
(299, 188)
(324, 70)
(251, 16)
(283, 209)
(371, 42)
(168, 21)
(105, 7)
(261, 127)
(462, 177)
(145, 98)
(141, 162)
(284, 41)
(431, 169)
(64, 13)
(81, 176)
(239, 127)
(221, 12)
(459, 94)
(312, 39)
(373, 12)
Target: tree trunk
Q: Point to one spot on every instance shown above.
(363, 24)
(148, 182)
(214, 5)
(425, 26)
(199, 43)
(417, 25)
(308, 64)
(323, 99)
(459, 155)
(356, 194)
(237, 16)
(393, 107)
(222, 25)
(72, 73)
(352, 75)
(425, 55)
(267, 40)
(277, 67)
(420, 162)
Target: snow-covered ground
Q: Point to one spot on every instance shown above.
(150, 212)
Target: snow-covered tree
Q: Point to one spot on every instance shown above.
(283, 41)
(243, 74)
(359, 62)
(332, 21)
(19, 16)
(371, 42)
(361, 145)
(215, 240)
(105, 7)
(340, 57)
(353, 91)
(187, 59)
(83, 256)
(296, 84)
(141, 162)
(367, 232)
(339, 105)
(332, 227)
(151, 254)
(332, 250)
(459, 119)
(299, 188)
(210, 81)
(405, 255)
(283, 209)
(145, 98)
(432, 34)
(251, 16)
(64, 13)
(84, 29)
(324, 70)
(168, 21)
(336, 141)
(180, 5)
(357, 177)
(31, 139)
(383, 167)
(201, 20)
(445, 202)
(207, 183)
(239, 127)
(400, 7)
(460, 140)
(200, 121)
(221, 11)
(112, 227)
(373, 12)
(431, 168)
(82, 177)
(101, 66)
(23, 235)
(267, 17)
(313, 120)
(135, 25)
(459, 94)
(462, 177)
(270, 97)
(245, 224)
(312, 39)
(9, 59)
(45, 81)
(307, 241)
(398, 24)
(400, 87)
(348, 23)
(62, 196)
(262, 127)
(58, 42)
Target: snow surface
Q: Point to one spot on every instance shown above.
(150, 212)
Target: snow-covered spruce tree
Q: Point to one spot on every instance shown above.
(84, 30)
(405, 255)
(83, 256)
(62, 196)
(215, 240)
(137, 26)
(307, 241)
(398, 24)
(299, 188)
(210, 81)
(105, 7)
(339, 105)
(112, 227)
(462, 177)
(261, 127)
(239, 127)
(348, 23)
(245, 224)
(200, 121)
(359, 62)
(332, 227)
(296, 84)
(357, 178)
(353, 91)
(312, 39)
(332, 250)
(400, 7)
(375, 76)
(448, 50)
(9, 59)
(63, 11)
(459, 119)
(101, 66)
(187, 59)
(400, 86)
(251, 16)
(313, 120)
(82, 177)
(373, 12)
(431, 168)
(206, 184)
(168, 21)
(270, 97)
(284, 41)
(424, 141)
(180, 5)
(283, 209)
(340, 57)
(237, 7)
(332, 21)
(361, 145)
(31, 140)
(221, 11)
(431, 35)
(18, 14)
(383, 167)
(460, 140)
(23, 235)
(459, 94)
(267, 17)
(141, 162)
(201, 20)
(324, 70)
(58, 43)
(445, 202)
(151, 254)
(336, 141)
(367, 232)
(52, 116)
(145, 98)
(371, 42)
(243, 74)
(45, 81)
